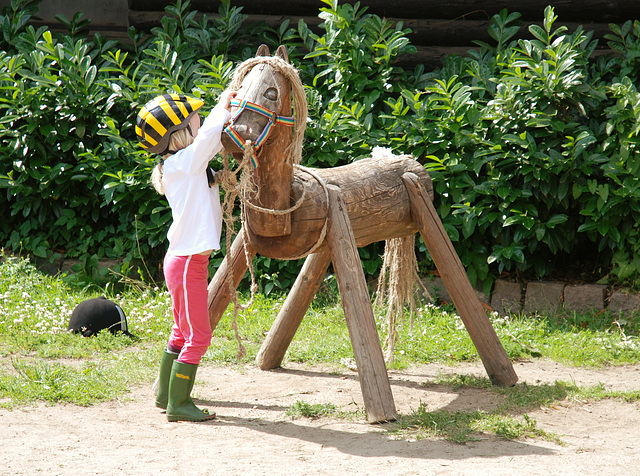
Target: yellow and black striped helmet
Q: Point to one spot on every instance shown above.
(162, 116)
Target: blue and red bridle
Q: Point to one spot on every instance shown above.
(273, 120)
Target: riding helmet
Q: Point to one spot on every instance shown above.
(94, 315)
(162, 116)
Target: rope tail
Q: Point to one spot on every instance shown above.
(397, 283)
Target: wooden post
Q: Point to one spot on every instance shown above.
(374, 381)
(293, 310)
(495, 359)
(219, 292)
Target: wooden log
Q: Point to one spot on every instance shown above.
(293, 310)
(434, 38)
(460, 32)
(374, 381)
(431, 57)
(376, 200)
(574, 10)
(495, 359)
(453, 35)
(426, 31)
(580, 10)
(219, 292)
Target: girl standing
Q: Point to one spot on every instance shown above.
(169, 125)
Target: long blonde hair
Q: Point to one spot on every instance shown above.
(179, 140)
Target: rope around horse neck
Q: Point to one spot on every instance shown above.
(323, 232)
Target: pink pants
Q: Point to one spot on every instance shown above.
(187, 278)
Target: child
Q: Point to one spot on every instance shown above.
(169, 125)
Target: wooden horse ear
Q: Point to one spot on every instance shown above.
(263, 50)
(282, 53)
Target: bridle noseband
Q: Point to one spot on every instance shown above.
(274, 118)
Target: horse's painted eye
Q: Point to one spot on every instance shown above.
(271, 94)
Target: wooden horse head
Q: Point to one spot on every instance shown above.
(262, 119)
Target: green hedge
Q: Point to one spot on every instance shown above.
(533, 148)
(532, 144)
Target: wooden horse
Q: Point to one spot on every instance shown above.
(325, 214)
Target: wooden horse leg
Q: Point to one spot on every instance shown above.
(374, 381)
(219, 292)
(495, 359)
(293, 310)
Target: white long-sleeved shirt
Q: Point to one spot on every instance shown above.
(195, 207)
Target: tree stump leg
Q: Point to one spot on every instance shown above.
(494, 357)
(219, 292)
(293, 310)
(374, 381)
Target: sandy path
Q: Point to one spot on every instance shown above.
(253, 436)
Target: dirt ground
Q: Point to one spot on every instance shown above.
(254, 436)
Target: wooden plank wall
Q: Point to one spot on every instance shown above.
(439, 27)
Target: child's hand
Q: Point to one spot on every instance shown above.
(225, 99)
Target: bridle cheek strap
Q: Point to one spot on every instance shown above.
(274, 119)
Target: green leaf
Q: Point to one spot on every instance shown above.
(556, 220)
(539, 33)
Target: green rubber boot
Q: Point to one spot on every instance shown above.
(162, 393)
(180, 407)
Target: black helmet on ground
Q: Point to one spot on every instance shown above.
(94, 315)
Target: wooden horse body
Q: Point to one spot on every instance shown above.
(325, 214)
(375, 197)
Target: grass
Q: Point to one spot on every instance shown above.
(83, 384)
(461, 427)
(509, 419)
(311, 410)
(41, 362)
